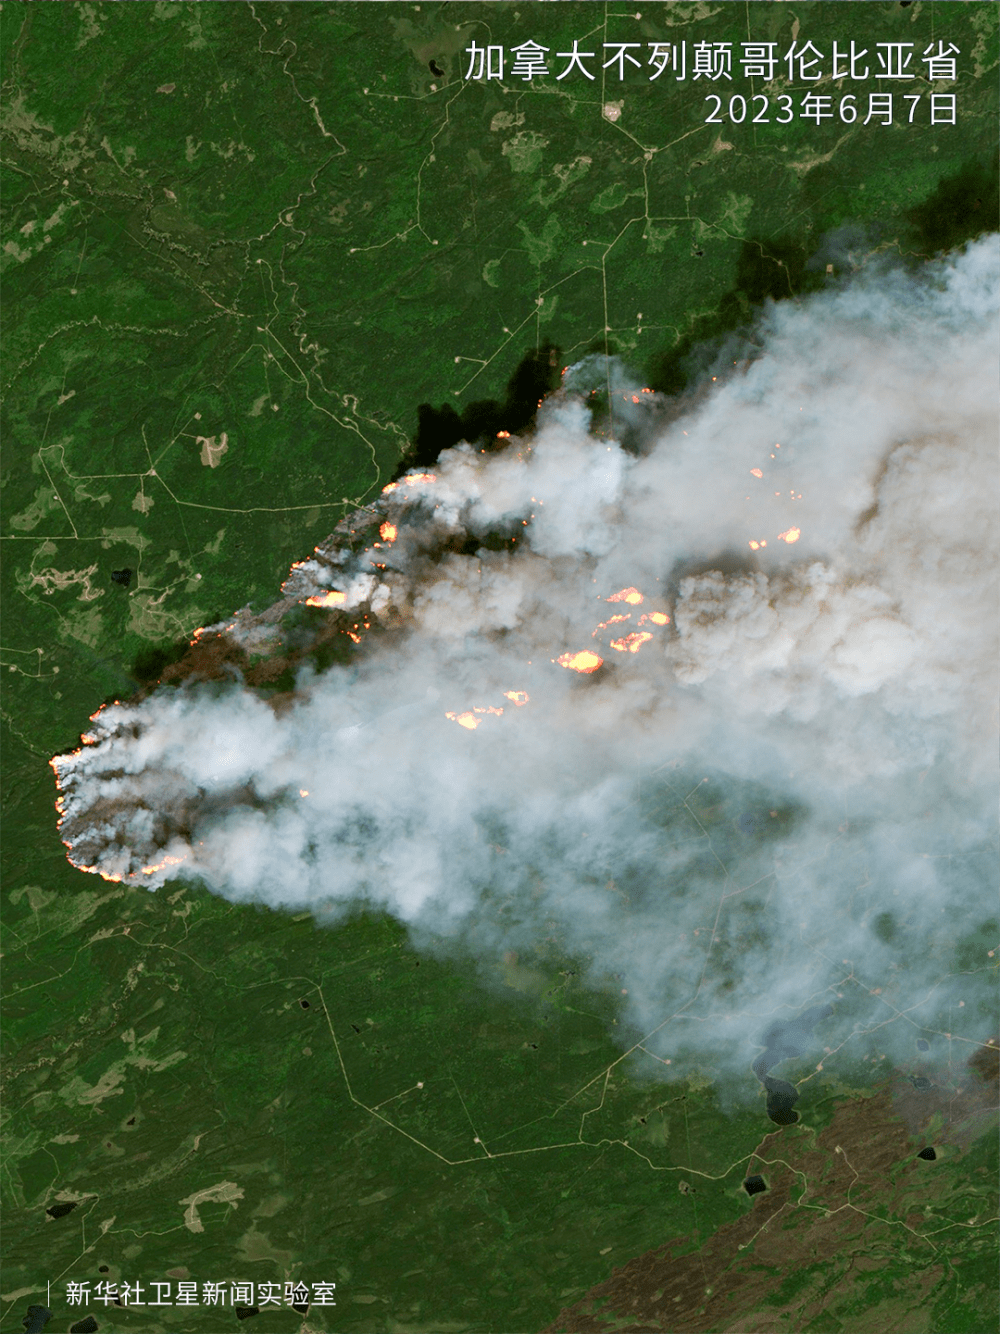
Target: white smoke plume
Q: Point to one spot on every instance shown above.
(774, 784)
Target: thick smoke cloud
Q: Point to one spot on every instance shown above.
(777, 791)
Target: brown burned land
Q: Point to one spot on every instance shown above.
(854, 1230)
(220, 655)
(283, 228)
(264, 649)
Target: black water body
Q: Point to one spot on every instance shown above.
(922, 1045)
(61, 1210)
(783, 1041)
(927, 1154)
(88, 1325)
(122, 577)
(36, 1319)
(754, 1184)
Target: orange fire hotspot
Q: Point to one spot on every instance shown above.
(584, 662)
(167, 861)
(331, 599)
(468, 720)
(414, 478)
(630, 595)
(631, 643)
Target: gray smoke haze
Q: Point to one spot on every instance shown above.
(779, 790)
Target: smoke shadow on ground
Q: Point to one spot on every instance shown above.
(765, 269)
(152, 660)
(681, 898)
(962, 206)
(483, 421)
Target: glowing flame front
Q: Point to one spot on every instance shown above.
(167, 861)
(790, 535)
(331, 599)
(631, 643)
(413, 479)
(585, 662)
(388, 532)
(630, 595)
(614, 620)
(112, 876)
(468, 720)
